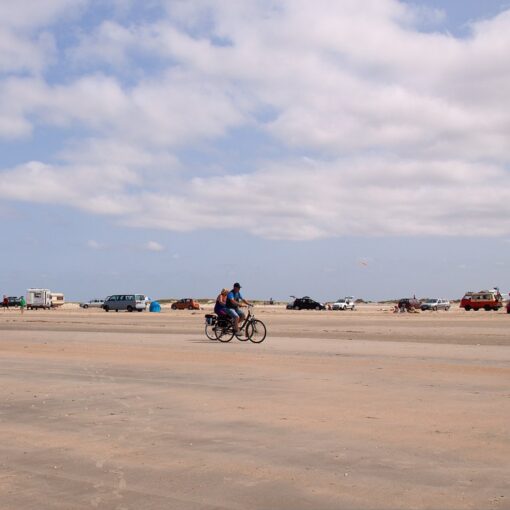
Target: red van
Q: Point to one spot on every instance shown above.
(486, 299)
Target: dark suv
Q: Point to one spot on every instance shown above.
(307, 303)
(409, 304)
(12, 301)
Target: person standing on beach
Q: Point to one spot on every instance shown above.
(22, 304)
(5, 302)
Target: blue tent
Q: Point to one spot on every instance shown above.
(155, 307)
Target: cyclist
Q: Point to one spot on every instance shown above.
(220, 308)
(234, 303)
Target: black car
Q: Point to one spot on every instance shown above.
(11, 301)
(307, 303)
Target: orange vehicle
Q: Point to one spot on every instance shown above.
(186, 304)
(486, 299)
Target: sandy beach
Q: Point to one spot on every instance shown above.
(355, 410)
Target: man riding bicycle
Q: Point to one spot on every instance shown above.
(234, 303)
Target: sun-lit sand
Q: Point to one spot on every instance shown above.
(355, 410)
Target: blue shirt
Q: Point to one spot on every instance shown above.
(233, 295)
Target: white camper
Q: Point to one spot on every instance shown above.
(44, 298)
(38, 298)
(57, 299)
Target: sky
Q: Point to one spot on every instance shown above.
(325, 148)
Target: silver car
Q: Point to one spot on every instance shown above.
(436, 304)
(93, 303)
(128, 302)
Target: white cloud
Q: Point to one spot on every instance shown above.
(301, 200)
(99, 190)
(154, 246)
(26, 45)
(34, 13)
(94, 245)
(19, 54)
(404, 132)
(174, 110)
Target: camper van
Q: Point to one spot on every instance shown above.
(38, 298)
(486, 299)
(43, 298)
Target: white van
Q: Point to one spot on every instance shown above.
(128, 302)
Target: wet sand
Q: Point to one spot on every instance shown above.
(356, 410)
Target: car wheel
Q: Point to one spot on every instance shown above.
(446, 308)
(85, 306)
(174, 307)
(487, 308)
(106, 308)
(129, 308)
(434, 308)
(467, 308)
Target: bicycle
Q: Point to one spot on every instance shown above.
(222, 328)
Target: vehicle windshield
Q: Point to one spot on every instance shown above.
(341, 301)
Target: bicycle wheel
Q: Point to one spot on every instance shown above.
(224, 333)
(210, 331)
(242, 334)
(256, 331)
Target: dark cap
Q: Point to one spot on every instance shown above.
(237, 284)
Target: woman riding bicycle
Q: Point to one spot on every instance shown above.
(220, 308)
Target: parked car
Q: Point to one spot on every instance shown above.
(508, 307)
(409, 304)
(346, 303)
(129, 302)
(486, 299)
(11, 301)
(186, 304)
(307, 303)
(436, 304)
(93, 303)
